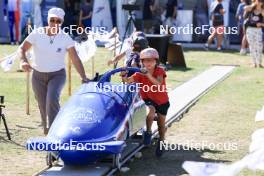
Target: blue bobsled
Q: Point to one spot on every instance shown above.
(95, 122)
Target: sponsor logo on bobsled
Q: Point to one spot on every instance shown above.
(75, 129)
(85, 116)
(72, 145)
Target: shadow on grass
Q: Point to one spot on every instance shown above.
(171, 162)
(230, 51)
(25, 127)
(6, 141)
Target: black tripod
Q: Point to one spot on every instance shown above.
(131, 21)
(2, 116)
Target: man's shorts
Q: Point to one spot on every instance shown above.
(161, 109)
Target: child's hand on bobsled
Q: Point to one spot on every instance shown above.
(110, 62)
(85, 80)
(123, 73)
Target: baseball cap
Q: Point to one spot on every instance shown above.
(56, 12)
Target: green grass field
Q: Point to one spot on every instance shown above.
(225, 115)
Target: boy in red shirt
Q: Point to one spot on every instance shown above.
(153, 92)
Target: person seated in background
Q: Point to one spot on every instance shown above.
(139, 44)
(133, 60)
(132, 45)
(156, 97)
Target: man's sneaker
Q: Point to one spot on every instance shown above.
(159, 149)
(147, 138)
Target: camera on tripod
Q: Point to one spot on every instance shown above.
(130, 7)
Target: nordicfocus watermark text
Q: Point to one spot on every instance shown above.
(191, 145)
(72, 29)
(199, 30)
(72, 145)
(131, 88)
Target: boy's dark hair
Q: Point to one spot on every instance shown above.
(139, 44)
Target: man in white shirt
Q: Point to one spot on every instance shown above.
(50, 46)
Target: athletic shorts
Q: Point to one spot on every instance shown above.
(161, 109)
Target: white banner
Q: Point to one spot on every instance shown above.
(213, 169)
(8, 62)
(122, 17)
(86, 50)
(102, 15)
(37, 14)
(183, 25)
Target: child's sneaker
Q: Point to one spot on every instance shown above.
(147, 138)
(159, 149)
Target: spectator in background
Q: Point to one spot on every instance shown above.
(13, 15)
(139, 15)
(255, 24)
(241, 27)
(26, 10)
(70, 13)
(86, 13)
(148, 15)
(171, 12)
(217, 15)
(201, 18)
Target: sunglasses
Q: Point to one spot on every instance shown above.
(52, 20)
